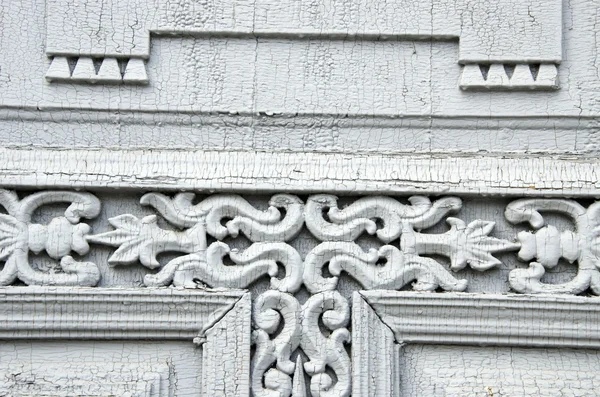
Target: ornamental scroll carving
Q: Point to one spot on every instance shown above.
(300, 322)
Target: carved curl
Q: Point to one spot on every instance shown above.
(349, 223)
(547, 245)
(396, 271)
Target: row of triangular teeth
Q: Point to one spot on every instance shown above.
(109, 72)
(522, 77)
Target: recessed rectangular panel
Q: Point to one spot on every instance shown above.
(140, 369)
(435, 370)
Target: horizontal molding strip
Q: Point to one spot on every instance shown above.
(110, 313)
(477, 319)
(296, 172)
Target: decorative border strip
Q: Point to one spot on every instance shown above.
(109, 71)
(106, 313)
(509, 77)
(253, 172)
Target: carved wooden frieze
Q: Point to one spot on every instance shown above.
(517, 46)
(301, 322)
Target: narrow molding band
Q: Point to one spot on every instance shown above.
(260, 172)
(110, 313)
(481, 319)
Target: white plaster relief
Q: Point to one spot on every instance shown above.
(463, 244)
(547, 245)
(295, 339)
(284, 327)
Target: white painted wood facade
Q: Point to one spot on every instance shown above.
(299, 198)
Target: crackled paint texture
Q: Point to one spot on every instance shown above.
(299, 198)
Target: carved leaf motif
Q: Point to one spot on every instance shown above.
(143, 240)
(471, 244)
(10, 229)
(349, 223)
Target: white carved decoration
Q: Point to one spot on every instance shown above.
(300, 328)
(295, 340)
(327, 350)
(547, 245)
(62, 235)
(256, 225)
(142, 240)
(284, 327)
(360, 216)
(269, 310)
(399, 269)
(463, 244)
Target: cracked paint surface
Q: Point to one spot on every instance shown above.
(269, 111)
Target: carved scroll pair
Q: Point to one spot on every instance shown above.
(272, 368)
(547, 245)
(19, 235)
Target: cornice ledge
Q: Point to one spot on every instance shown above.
(300, 172)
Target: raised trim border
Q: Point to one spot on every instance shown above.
(383, 321)
(299, 172)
